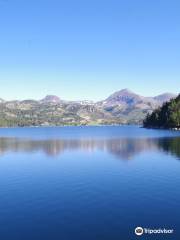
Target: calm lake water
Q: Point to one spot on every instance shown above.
(86, 183)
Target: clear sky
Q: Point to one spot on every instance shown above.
(87, 49)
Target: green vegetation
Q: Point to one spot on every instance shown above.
(167, 116)
(31, 113)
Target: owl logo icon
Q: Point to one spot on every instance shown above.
(139, 231)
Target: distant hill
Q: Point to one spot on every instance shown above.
(51, 99)
(166, 116)
(123, 97)
(122, 107)
(131, 107)
(164, 97)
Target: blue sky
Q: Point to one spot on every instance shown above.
(88, 49)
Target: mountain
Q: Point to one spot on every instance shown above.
(164, 97)
(167, 116)
(122, 107)
(123, 97)
(127, 98)
(50, 99)
(131, 107)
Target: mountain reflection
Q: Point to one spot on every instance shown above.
(124, 148)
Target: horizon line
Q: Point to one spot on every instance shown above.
(64, 99)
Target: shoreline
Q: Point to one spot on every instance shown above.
(161, 128)
(103, 125)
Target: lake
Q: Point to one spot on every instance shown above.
(86, 183)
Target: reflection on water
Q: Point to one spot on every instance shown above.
(81, 182)
(170, 145)
(124, 148)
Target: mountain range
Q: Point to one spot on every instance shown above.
(122, 107)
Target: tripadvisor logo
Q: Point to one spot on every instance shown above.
(140, 231)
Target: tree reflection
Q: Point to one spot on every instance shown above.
(170, 145)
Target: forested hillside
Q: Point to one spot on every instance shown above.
(167, 116)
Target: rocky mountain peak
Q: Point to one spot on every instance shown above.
(124, 96)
